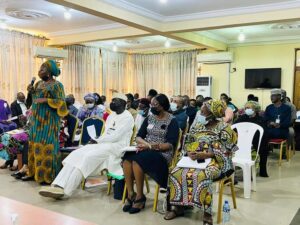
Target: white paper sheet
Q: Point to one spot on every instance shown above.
(187, 162)
(92, 131)
(129, 149)
(12, 118)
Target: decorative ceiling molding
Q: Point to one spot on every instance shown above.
(213, 36)
(267, 42)
(204, 15)
(87, 29)
(274, 39)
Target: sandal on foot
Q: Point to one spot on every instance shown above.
(173, 214)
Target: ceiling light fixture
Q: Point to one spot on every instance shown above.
(115, 47)
(167, 43)
(3, 25)
(241, 37)
(67, 14)
(163, 1)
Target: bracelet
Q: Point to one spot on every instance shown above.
(150, 147)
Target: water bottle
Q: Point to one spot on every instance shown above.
(226, 213)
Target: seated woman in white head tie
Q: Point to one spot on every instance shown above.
(106, 154)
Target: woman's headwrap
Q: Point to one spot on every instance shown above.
(52, 67)
(254, 105)
(89, 96)
(216, 107)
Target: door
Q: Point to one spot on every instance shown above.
(297, 89)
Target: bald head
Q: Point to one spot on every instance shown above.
(21, 97)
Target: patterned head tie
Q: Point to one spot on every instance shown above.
(216, 107)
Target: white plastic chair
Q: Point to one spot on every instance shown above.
(242, 157)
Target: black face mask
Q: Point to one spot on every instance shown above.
(154, 111)
(113, 106)
(45, 78)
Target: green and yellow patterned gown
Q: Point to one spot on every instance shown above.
(193, 187)
(43, 155)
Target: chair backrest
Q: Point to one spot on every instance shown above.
(99, 126)
(176, 152)
(72, 124)
(298, 114)
(246, 132)
(133, 135)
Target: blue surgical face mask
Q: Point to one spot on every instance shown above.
(141, 112)
(249, 112)
(202, 119)
(173, 106)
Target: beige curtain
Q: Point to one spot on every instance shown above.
(116, 76)
(169, 73)
(81, 71)
(17, 63)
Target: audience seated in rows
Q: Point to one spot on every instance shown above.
(129, 105)
(143, 111)
(284, 100)
(156, 141)
(90, 108)
(278, 117)
(179, 112)
(252, 109)
(106, 153)
(190, 109)
(70, 100)
(209, 138)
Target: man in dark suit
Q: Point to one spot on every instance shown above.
(19, 108)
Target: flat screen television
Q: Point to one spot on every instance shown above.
(263, 78)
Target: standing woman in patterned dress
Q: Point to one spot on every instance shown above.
(208, 138)
(48, 107)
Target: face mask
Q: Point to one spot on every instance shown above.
(173, 107)
(202, 120)
(113, 107)
(90, 105)
(154, 111)
(46, 78)
(141, 112)
(249, 112)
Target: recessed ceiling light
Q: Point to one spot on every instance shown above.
(115, 48)
(163, 1)
(167, 44)
(67, 14)
(241, 37)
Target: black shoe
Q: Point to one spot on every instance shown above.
(263, 174)
(19, 175)
(137, 210)
(129, 203)
(27, 178)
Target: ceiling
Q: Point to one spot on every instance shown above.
(136, 44)
(172, 8)
(257, 33)
(136, 25)
(54, 23)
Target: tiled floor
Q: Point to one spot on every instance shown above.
(275, 203)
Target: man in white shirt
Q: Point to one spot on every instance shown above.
(19, 108)
(106, 154)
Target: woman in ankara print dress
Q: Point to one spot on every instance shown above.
(48, 107)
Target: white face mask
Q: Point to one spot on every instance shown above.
(202, 120)
(173, 106)
(249, 112)
(90, 105)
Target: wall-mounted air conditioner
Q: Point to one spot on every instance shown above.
(50, 53)
(215, 58)
(204, 86)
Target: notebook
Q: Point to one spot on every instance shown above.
(187, 162)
